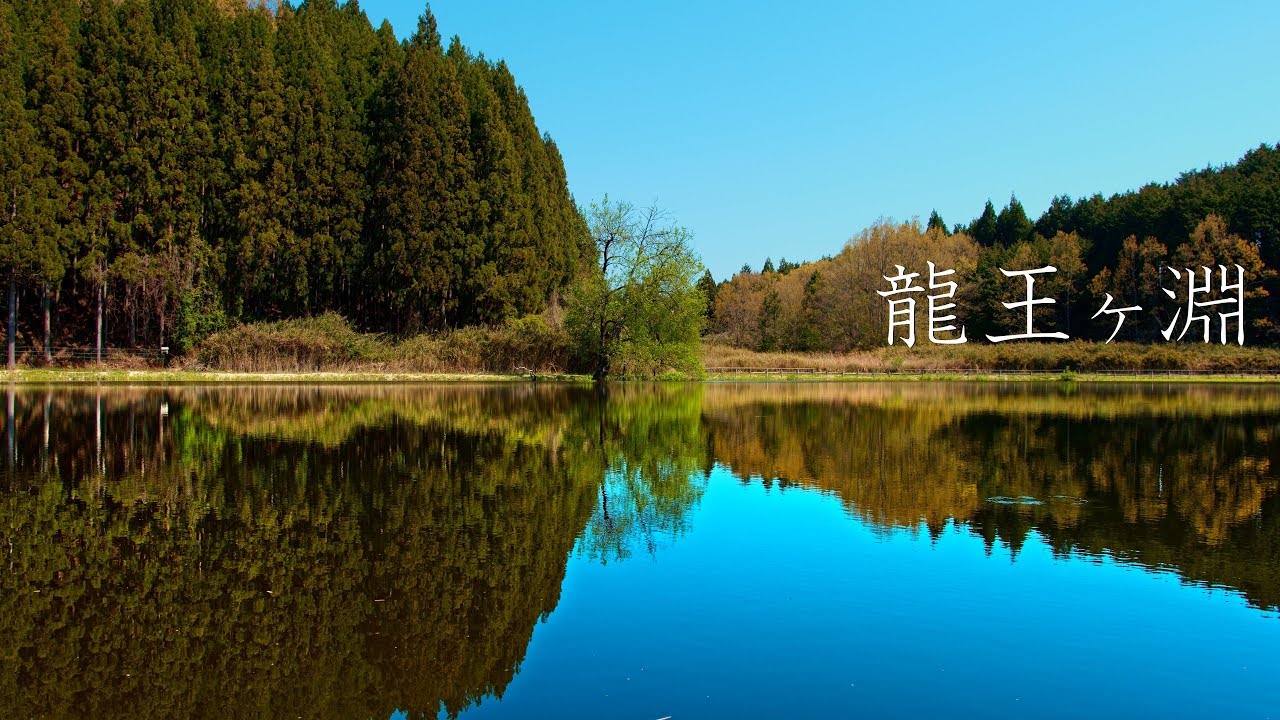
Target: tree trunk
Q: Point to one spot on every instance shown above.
(48, 324)
(13, 323)
(98, 353)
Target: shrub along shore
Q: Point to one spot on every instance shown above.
(328, 349)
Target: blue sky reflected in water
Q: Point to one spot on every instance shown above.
(778, 603)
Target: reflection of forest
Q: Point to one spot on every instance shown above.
(1178, 477)
(354, 550)
(304, 552)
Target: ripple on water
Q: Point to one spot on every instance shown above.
(1029, 500)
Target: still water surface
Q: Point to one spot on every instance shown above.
(752, 550)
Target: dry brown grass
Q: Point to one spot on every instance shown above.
(329, 344)
(1076, 355)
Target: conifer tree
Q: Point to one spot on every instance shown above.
(811, 314)
(502, 281)
(253, 212)
(101, 147)
(1012, 225)
(936, 223)
(708, 287)
(983, 229)
(425, 191)
(21, 179)
(55, 99)
(561, 234)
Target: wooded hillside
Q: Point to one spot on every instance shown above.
(1115, 245)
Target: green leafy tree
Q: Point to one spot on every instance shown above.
(637, 308)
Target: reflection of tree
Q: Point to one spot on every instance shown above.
(385, 549)
(1171, 477)
(651, 453)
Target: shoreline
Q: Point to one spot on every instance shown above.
(46, 376)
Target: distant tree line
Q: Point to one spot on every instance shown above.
(1118, 246)
(169, 167)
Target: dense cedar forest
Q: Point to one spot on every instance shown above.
(177, 166)
(1115, 245)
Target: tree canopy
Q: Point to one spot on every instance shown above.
(638, 308)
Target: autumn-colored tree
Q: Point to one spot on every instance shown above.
(1135, 281)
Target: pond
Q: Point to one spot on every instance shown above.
(641, 551)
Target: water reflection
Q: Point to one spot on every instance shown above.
(362, 550)
(1178, 477)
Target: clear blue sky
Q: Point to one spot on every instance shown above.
(772, 129)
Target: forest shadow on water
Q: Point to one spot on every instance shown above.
(378, 551)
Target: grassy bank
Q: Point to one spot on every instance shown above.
(976, 358)
(45, 376)
(329, 344)
(328, 349)
(59, 376)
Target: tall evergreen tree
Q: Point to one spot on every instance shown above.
(425, 194)
(55, 99)
(329, 154)
(811, 336)
(102, 148)
(562, 239)
(1012, 225)
(1056, 218)
(983, 229)
(506, 278)
(708, 287)
(936, 223)
(253, 144)
(21, 176)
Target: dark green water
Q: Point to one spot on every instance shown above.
(765, 550)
